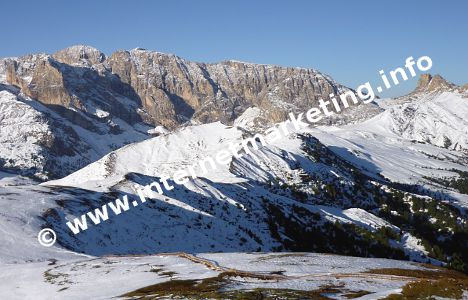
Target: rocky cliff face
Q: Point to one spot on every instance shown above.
(89, 104)
(82, 112)
(173, 90)
(80, 88)
(429, 86)
(161, 89)
(434, 83)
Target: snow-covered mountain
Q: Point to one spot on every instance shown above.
(38, 141)
(345, 174)
(363, 175)
(436, 113)
(384, 180)
(92, 104)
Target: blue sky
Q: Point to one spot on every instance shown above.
(349, 40)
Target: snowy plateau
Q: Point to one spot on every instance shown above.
(370, 204)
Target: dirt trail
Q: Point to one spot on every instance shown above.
(228, 271)
(266, 276)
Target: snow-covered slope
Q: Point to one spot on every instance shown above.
(37, 141)
(389, 185)
(412, 142)
(93, 104)
(230, 208)
(231, 275)
(436, 118)
(346, 175)
(159, 156)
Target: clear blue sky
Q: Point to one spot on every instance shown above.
(349, 40)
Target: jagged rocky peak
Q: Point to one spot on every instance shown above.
(465, 87)
(79, 55)
(429, 83)
(164, 89)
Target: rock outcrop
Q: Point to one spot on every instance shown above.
(430, 83)
(88, 104)
(163, 89)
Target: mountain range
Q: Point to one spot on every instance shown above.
(79, 129)
(83, 96)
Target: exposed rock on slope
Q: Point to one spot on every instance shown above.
(285, 196)
(428, 83)
(435, 112)
(71, 124)
(37, 141)
(80, 55)
(106, 102)
(163, 89)
(76, 90)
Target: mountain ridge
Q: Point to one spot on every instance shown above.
(388, 182)
(125, 94)
(205, 91)
(431, 83)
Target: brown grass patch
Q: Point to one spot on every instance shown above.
(215, 288)
(428, 283)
